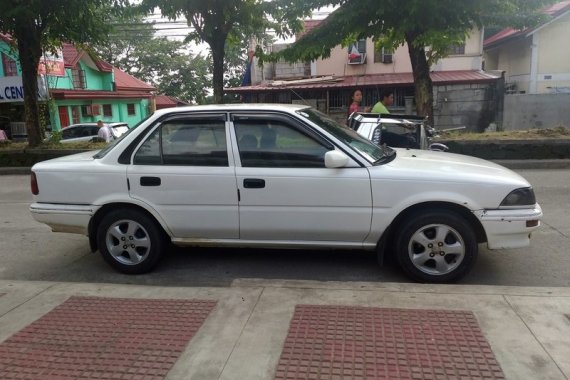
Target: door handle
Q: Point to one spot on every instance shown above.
(254, 183)
(150, 181)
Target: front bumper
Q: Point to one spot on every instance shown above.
(64, 218)
(508, 228)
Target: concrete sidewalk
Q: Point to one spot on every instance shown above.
(259, 329)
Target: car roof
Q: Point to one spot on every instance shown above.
(234, 107)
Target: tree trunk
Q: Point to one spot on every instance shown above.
(30, 52)
(422, 80)
(218, 54)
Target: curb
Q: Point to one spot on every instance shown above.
(15, 170)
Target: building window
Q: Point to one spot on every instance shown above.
(131, 109)
(10, 67)
(357, 52)
(456, 49)
(107, 110)
(383, 55)
(78, 76)
(75, 114)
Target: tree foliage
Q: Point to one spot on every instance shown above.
(166, 64)
(40, 25)
(219, 22)
(428, 27)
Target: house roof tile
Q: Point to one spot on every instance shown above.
(97, 94)
(72, 55)
(126, 81)
(554, 11)
(308, 26)
(370, 80)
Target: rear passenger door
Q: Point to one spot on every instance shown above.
(183, 170)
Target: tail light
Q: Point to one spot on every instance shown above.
(34, 184)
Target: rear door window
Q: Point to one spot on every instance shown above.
(191, 142)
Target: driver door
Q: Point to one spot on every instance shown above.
(287, 193)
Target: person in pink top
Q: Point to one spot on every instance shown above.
(355, 100)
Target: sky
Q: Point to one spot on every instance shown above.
(178, 29)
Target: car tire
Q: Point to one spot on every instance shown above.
(130, 241)
(436, 246)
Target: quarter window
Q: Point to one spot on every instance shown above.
(185, 142)
(263, 143)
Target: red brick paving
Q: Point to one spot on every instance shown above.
(104, 338)
(345, 342)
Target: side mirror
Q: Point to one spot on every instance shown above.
(335, 159)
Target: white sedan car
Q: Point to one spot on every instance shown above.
(282, 176)
(89, 131)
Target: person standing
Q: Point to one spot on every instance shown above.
(104, 132)
(386, 100)
(354, 101)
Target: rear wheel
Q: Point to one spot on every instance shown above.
(130, 241)
(436, 246)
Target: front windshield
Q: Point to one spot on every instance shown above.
(110, 146)
(370, 151)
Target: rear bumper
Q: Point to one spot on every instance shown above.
(508, 228)
(64, 218)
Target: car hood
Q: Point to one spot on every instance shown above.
(448, 167)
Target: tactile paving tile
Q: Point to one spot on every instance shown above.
(345, 342)
(97, 338)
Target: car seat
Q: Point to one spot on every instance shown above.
(248, 142)
(268, 138)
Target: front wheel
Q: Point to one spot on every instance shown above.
(436, 246)
(130, 241)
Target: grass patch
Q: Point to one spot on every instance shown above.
(559, 132)
(86, 145)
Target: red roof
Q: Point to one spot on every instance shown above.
(96, 94)
(6, 38)
(71, 55)
(509, 33)
(165, 101)
(384, 80)
(308, 26)
(125, 81)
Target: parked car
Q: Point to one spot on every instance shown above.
(397, 131)
(88, 131)
(282, 176)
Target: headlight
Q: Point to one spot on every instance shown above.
(520, 197)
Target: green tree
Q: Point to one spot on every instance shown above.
(40, 25)
(217, 21)
(166, 64)
(428, 27)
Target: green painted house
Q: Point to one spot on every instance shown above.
(74, 87)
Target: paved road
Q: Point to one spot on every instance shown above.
(30, 251)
